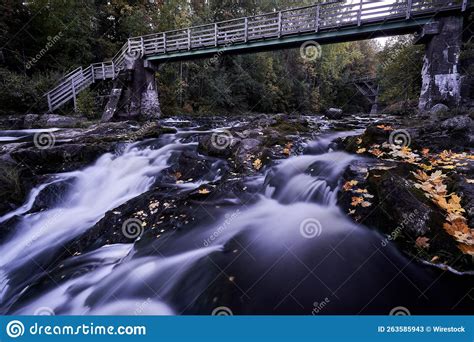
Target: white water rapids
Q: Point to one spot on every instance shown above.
(292, 229)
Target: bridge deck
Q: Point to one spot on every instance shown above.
(325, 23)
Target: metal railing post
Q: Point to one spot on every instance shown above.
(215, 34)
(189, 39)
(359, 14)
(93, 73)
(164, 42)
(49, 103)
(316, 22)
(73, 88)
(279, 24)
(409, 4)
(113, 70)
(246, 30)
(103, 71)
(464, 5)
(142, 46)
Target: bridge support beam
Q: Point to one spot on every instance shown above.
(441, 73)
(134, 94)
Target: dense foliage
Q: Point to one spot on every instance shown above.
(42, 39)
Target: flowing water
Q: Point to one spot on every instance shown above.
(285, 252)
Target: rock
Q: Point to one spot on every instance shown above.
(58, 121)
(30, 120)
(217, 144)
(439, 108)
(50, 121)
(60, 158)
(334, 113)
(13, 185)
(458, 123)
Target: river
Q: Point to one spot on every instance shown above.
(289, 250)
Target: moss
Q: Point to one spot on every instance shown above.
(289, 127)
(11, 186)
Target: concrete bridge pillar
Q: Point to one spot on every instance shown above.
(441, 73)
(134, 94)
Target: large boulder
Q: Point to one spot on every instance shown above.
(334, 113)
(458, 123)
(58, 121)
(439, 108)
(50, 121)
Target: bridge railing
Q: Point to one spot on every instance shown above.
(328, 15)
(284, 23)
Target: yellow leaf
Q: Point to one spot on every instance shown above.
(361, 150)
(204, 191)
(356, 201)
(257, 164)
(349, 184)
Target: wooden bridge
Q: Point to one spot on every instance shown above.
(324, 23)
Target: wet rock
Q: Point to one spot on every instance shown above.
(458, 123)
(58, 121)
(218, 144)
(466, 191)
(15, 181)
(59, 158)
(50, 196)
(334, 113)
(439, 108)
(50, 121)
(30, 120)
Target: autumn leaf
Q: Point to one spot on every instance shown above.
(456, 226)
(257, 164)
(361, 150)
(385, 128)
(376, 152)
(422, 242)
(356, 201)
(349, 184)
(366, 204)
(425, 151)
(203, 191)
(360, 191)
(467, 249)
(287, 149)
